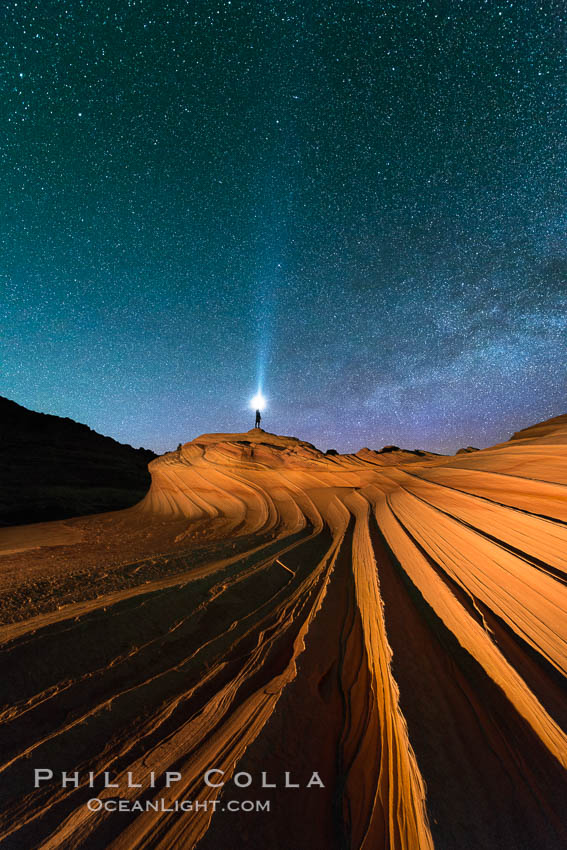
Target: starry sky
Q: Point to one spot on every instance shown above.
(357, 205)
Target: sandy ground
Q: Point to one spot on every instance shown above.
(393, 621)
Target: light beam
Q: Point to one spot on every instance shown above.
(258, 402)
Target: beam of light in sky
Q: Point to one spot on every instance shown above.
(265, 312)
(258, 402)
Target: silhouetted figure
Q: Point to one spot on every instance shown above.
(258, 419)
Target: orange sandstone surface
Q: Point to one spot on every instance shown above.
(394, 622)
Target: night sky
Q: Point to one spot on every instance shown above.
(358, 205)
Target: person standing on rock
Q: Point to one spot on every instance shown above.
(258, 419)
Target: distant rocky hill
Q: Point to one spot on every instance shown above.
(55, 468)
(551, 431)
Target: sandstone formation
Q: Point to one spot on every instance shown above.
(392, 620)
(53, 468)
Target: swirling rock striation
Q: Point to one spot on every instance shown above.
(392, 620)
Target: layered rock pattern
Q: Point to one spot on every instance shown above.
(392, 620)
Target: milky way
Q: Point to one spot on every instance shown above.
(358, 204)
